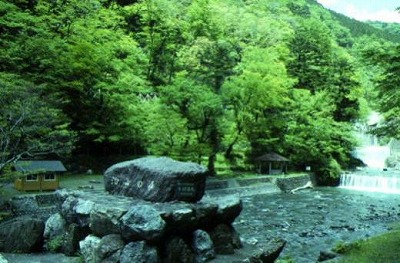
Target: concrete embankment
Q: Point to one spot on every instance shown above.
(255, 185)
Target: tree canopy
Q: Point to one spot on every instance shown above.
(204, 80)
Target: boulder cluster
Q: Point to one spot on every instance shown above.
(154, 216)
(156, 212)
(106, 228)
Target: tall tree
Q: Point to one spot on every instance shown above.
(29, 125)
(256, 99)
(313, 138)
(311, 49)
(200, 109)
(388, 93)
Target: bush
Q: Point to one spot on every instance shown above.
(344, 247)
(329, 173)
(55, 244)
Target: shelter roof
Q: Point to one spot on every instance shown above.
(272, 157)
(35, 165)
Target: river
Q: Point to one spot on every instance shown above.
(315, 220)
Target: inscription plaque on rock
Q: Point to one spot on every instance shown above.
(186, 190)
(157, 179)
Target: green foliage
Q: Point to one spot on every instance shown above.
(330, 143)
(311, 49)
(55, 244)
(388, 96)
(345, 247)
(256, 99)
(328, 172)
(359, 29)
(8, 175)
(205, 80)
(391, 28)
(29, 124)
(381, 248)
(285, 260)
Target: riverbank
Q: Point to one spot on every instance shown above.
(311, 220)
(315, 220)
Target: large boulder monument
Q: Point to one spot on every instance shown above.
(157, 179)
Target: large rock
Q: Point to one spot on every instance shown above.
(157, 179)
(104, 220)
(203, 246)
(327, 256)
(142, 222)
(106, 249)
(22, 235)
(109, 249)
(229, 207)
(270, 253)
(177, 251)
(225, 239)
(55, 226)
(3, 259)
(139, 252)
(72, 237)
(77, 210)
(88, 246)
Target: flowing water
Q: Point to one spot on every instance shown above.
(375, 177)
(372, 180)
(316, 220)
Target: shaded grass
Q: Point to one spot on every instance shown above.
(76, 181)
(379, 249)
(68, 181)
(256, 175)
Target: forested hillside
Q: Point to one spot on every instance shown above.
(211, 81)
(391, 28)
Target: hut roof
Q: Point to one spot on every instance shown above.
(272, 157)
(47, 166)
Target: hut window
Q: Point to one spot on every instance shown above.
(49, 177)
(32, 177)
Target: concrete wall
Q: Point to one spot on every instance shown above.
(290, 183)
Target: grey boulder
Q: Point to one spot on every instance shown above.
(139, 252)
(142, 222)
(22, 234)
(157, 179)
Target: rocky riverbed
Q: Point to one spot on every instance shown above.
(310, 221)
(315, 220)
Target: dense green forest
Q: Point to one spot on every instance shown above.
(218, 82)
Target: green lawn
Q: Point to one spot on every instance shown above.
(379, 249)
(77, 181)
(71, 181)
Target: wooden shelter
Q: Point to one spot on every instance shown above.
(38, 175)
(271, 163)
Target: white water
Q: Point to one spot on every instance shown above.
(372, 181)
(370, 151)
(373, 178)
(374, 156)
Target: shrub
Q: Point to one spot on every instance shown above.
(329, 173)
(55, 244)
(344, 247)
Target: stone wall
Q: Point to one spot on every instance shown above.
(108, 228)
(40, 206)
(165, 232)
(289, 183)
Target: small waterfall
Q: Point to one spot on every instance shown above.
(373, 178)
(375, 182)
(370, 151)
(374, 156)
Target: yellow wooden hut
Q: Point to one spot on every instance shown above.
(38, 175)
